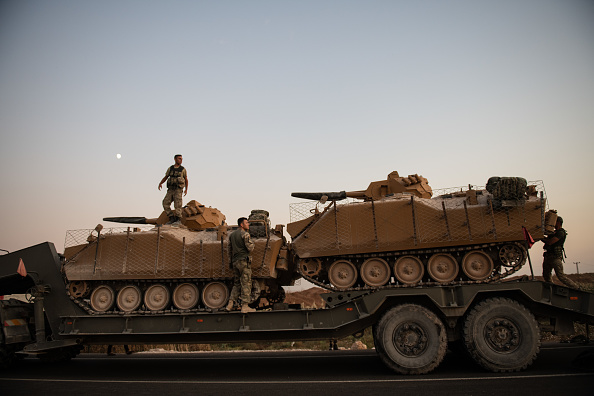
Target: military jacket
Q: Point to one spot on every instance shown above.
(240, 245)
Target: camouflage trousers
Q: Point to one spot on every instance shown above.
(242, 282)
(551, 263)
(174, 196)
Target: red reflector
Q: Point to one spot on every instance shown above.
(69, 323)
(199, 320)
(573, 298)
(349, 309)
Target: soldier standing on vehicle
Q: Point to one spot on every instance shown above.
(553, 255)
(177, 179)
(240, 249)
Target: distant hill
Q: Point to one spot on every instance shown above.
(310, 298)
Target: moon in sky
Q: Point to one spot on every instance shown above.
(118, 156)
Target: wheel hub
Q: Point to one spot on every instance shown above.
(375, 272)
(476, 265)
(410, 339)
(442, 268)
(158, 297)
(502, 335)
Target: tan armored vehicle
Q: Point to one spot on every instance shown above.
(395, 233)
(165, 267)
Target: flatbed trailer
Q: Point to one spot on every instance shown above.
(498, 324)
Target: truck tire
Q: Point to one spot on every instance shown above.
(410, 339)
(501, 335)
(7, 357)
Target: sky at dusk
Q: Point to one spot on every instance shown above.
(264, 98)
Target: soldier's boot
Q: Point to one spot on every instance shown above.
(171, 219)
(246, 308)
(229, 306)
(177, 221)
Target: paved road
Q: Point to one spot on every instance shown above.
(305, 373)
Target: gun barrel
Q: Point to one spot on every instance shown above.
(128, 220)
(356, 194)
(316, 196)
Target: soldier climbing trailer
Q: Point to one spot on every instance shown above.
(498, 324)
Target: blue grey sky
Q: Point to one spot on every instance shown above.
(264, 98)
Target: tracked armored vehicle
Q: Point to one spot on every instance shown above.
(140, 269)
(396, 233)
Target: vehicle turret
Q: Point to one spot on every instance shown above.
(394, 184)
(195, 216)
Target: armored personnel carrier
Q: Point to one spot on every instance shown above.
(170, 268)
(397, 233)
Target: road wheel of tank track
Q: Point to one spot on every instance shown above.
(442, 267)
(342, 274)
(501, 335)
(7, 357)
(61, 355)
(375, 272)
(512, 255)
(409, 270)
(186, 296)
(129, 298)
(410, 339)
(477, 265)
(102, 298)
(215, 295)
(157, 297)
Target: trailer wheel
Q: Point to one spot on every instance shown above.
(410, 339)
(501, 335)
(7, 357)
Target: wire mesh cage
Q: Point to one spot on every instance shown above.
(158, 253)
(454, 216)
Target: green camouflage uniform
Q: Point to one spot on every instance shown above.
(240, 248)
(553, 260)
(175, 186)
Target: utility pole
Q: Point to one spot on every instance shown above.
(577, 268)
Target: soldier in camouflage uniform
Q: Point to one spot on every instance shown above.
(240, 249)
(177, 178)
(553, 256)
